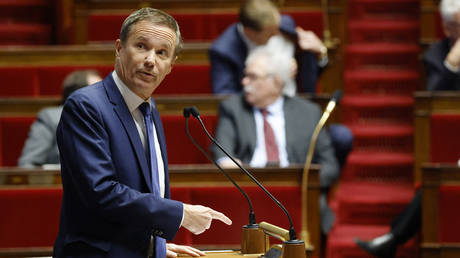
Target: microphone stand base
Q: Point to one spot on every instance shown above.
(253, 240)
(294, 249)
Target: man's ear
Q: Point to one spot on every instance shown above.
(173, 61)
(118, 47)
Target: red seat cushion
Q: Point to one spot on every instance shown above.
(14, 131)
(29, 217)
(444, 140)
(449, 224)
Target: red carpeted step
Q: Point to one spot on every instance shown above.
(379, 167)
(25, 34)
(384, 9)
(377, 109)
(340, 242)
(393, 31)
(368, 203)
(381, 81)
(392, 138)
(382, 55)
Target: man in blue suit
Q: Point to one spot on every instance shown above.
(259, 20)
(113, 155)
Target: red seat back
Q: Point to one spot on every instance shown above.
(444, 140)
(13, 133)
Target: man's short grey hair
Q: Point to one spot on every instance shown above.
(279, 53)
(448, 9)
(155, 16)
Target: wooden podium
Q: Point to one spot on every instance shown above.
(194, 177)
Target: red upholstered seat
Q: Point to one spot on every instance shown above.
(18, 81)
(195, 26)
(381, 81)
(13, 133)
(401, 31)
(29, 217)
(180, 149)
(444, 140)
(449, 224)
(47, 80)
(50, 78)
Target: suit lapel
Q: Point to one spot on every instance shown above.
(250, 122)
(126, 119)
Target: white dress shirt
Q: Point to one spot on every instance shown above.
(275, 118)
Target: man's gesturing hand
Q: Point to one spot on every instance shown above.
(198, 218)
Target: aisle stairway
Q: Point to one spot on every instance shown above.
(381, 74)
(26, 22)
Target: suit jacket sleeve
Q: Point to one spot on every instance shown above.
(224, 74)
(226, 133)
(40, 144)
(85, 136)
(325, 155)
(438, 77)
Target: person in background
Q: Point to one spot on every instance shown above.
(262, 127)
(114, 167)
(259, 20)
(442, 59)
(260, 23)
(40, 148)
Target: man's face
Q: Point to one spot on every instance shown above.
(260, 88)
(452, 29)
(146, 58)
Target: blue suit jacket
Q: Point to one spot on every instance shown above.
(228, 54)
(108, 209)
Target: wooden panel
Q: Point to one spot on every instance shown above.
(186, 176)
(427, 103)
(433, 176)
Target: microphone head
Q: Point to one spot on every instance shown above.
(336, 96)
(195, 111)
(187, 112)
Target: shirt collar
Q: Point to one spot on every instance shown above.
(276, 107)
(132, 100)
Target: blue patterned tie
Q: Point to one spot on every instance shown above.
(160, 243)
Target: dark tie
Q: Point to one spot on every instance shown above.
(270, 142)
(160, 243)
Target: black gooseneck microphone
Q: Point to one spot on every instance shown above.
(292, 234)
(252, 216)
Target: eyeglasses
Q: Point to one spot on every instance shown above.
(254, 77)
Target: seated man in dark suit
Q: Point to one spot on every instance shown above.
(259, 20)
(40, 148)
(442, 59)
(263, 127)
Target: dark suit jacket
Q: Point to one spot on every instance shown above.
(438, 77)
(228, 54)
(236, 131)
(108, 209)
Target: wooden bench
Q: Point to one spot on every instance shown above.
(196, 184)
(440, 209)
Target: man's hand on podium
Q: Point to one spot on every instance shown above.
(172, 250)
(197, 218)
